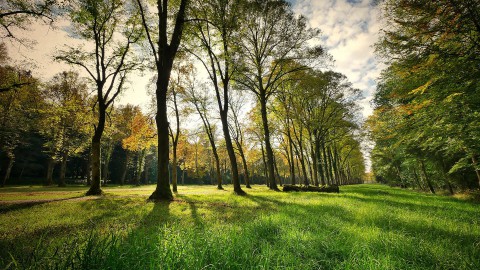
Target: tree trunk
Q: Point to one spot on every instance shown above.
(268, 147)
(138, 175)
(326, 167)
(89, 167)
(427, 179)
(292, 158)
(319, 160)
(162, 191)
(447, 176)
(96, 153)
(217, 169)
(415, 176)
(265, 171)
(6, 177)
(174, 168)
(50, 168)
(63, 170)
(245, 167)
(231, 154)
(477, 171)
(146, 167)
(125, 168)
(314, 161)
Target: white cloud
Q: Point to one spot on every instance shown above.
(350, 29)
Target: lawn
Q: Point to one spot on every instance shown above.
(363, 227)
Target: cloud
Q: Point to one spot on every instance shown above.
(350, 28)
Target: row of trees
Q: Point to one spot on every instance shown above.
(299, 114)
(426, 124)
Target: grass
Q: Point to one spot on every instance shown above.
(363, 227)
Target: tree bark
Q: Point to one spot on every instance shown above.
(63, 170)
(174, 168)
(245, 166)
(292, 158)
(268, 147)
(231, 154)
(319, 161)
(50, 168)
(314, 161)
(162, 191)
(96, 152)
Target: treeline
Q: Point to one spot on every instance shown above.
(426, 123)
(266, 113)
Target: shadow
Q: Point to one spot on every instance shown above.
(7, 206)
(193, 210)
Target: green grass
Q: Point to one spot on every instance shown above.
(363, 227)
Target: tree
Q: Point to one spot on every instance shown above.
(215, 28)
(431, 49)
(64, 122)
(237, 103)
(20, 14)
(274, 38)
(18, 109)
(112, 26)
(198, 96)
(142, 137)
(163, 52)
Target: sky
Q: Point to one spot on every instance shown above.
(349, 30)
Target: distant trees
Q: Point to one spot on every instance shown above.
(426, 121)
(64, 121)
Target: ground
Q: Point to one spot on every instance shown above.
(362, 227)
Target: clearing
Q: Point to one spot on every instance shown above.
(363, 227)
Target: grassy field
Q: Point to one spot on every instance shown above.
(363, 227)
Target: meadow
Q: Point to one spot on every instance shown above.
(362, 227)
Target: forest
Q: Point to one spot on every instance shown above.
(254, 151)
(427, 106)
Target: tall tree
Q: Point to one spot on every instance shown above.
(215, 27)
(112, 27)
(274, 38)
(163, 50)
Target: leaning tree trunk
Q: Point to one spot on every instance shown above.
(268, 147)
(63, 170)
(96, 153)
(245, 166)
(231, 154)
(11, 159)
(427, 179)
